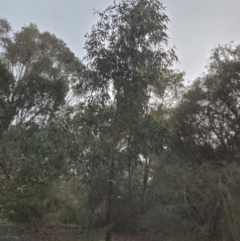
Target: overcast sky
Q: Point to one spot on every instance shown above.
(196, 25)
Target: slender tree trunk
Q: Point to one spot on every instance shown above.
(130, 179)
(111, 171)
(129, 168)
(146, 175)
(109, 201)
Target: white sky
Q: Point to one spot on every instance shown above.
(196, 25)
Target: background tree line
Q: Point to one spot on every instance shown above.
(117, 143)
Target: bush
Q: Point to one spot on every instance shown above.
(203, 199)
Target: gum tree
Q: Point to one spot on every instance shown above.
(126, 55)
(36, 70)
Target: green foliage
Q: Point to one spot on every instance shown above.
(154, 156)
(35, 76)
(7, 227)
(126, 58)
(30, 157)
(36, 70)
(206, 122)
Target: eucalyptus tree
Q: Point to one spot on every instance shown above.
(206, 122)
(40, 67)
(126, 54)
(36, 70)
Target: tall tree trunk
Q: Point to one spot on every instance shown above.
(109, 200)
(111, 171)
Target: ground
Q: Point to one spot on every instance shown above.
(67, 234)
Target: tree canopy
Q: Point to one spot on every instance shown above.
(36, 72)
(136, 152)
